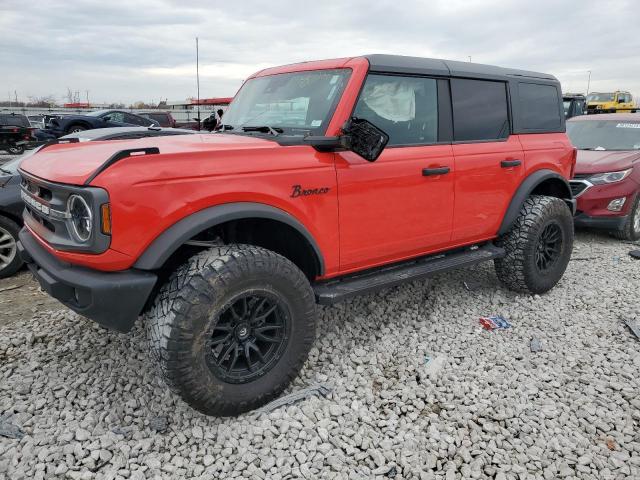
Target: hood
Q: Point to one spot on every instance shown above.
(74, 163)
(593, 161)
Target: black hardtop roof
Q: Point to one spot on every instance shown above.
(432, 66)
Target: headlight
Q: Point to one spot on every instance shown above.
(611, 177)
(81, 217)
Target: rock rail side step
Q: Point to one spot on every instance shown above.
(337, 290)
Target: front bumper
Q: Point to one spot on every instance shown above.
(112, 299)
(604, 223)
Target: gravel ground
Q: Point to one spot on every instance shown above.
(90, 404)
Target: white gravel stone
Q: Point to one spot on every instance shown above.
(91, 406)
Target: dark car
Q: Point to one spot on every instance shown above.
(125, 133)
(574, 105)
(11, 204)
(15, 132)
(164, 119)
(98, 119)
(11, 207)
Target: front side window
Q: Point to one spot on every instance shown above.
(298, 102)
(605, 134)
(479, 110)
(115, 117)
(406, 108)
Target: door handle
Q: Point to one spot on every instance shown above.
(510, 163)
(431, 172)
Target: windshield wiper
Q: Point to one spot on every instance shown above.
(224, 127)
(275, 131)
(599, 149)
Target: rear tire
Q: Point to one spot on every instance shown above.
(221, 304)
(10, 261)
(16, 149)
(631, 229)
(538, 246)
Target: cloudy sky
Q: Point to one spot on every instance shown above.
(130, 50)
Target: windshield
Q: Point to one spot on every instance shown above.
(14, 120)
(605, 134)
(600, 97)
(298, 103)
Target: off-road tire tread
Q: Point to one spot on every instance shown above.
(512, 269)
(168, 326)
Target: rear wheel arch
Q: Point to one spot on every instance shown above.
(541, 182)
(243, 222)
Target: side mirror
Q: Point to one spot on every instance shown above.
(365, 139)
(106, 118)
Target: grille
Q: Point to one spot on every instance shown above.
(578, 187)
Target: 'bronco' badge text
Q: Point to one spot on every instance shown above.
(298, 191)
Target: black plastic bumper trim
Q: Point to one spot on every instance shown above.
(112, 299)
(605, 223)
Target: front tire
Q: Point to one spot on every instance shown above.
(10, 261)
(76, 129)
(631, 229)
(231, 328)
(538, 246)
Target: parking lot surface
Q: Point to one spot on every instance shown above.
(418, 389)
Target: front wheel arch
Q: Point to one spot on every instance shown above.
(541, 182)
(171, 240)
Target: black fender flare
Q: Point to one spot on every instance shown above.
(527, 186)
(175, 236)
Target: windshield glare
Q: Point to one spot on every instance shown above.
(605, 134)
(298, 103)
(600, 97)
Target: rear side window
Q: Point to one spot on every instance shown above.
(479, 110)
(406, 108)
(539, 106)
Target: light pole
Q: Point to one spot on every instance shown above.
(589, 82)
(198, 82)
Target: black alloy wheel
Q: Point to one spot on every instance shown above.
(549, 247)
(249, 337)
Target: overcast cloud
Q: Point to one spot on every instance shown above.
(130, 50)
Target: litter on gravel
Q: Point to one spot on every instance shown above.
(9, 430)
(634, 327)
(294, 397)
(434, 365)
(535, 345)
(494, 322)
(635, 254)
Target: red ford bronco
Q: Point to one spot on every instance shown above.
(327, 179)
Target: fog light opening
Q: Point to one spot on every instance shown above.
(617, 204)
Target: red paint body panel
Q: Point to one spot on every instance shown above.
(389, 210)
(483, 188)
